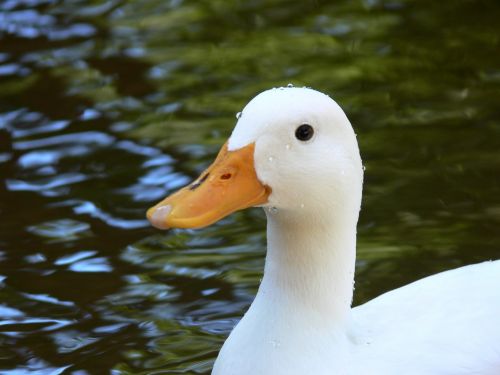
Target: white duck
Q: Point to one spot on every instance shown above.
(294, 152)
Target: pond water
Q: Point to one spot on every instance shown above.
(107, 106)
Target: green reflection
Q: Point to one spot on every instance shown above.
(418, 79)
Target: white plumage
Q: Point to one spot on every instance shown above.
(301, 321)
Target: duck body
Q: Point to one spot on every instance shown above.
(445, 324)
(294, 152)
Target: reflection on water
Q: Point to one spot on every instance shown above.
(106, 106)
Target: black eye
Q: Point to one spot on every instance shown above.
(304, 132)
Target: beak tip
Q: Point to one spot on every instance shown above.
(157, 216)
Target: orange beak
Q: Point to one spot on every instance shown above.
(228, 185)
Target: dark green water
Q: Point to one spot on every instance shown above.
(106, 106)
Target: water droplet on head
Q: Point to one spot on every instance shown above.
(364, 168)
(287, 147)
(270, 158)
(342, 172)
(289, 85)
(302, 205)
(238, 115)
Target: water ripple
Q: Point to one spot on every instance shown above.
(47, 186)
(22, 326)
(9, 312)
(91, 138)
(75, 257)
(100, 264)
(135, 148)
(48, 299)
(95, 94)
(91, 209)
(63, 229)
(23, 123)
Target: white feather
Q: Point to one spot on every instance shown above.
(301, 321)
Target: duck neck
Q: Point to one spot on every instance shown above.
(310, 264)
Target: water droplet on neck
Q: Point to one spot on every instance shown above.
(342, 172)
(287, 147)
(270, 158)
(302, 205)
(290, 85)
(273, 210)
(275, 343)
(238, 115)
(364, 168)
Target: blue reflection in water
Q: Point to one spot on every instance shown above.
(85, 283)
(47, 299)
(47, 186)
(7, 312)
(29, 24)
(22, 123)
(99, 264)
(13, 69)
(92, 210)
(72, 258)
(63, 229)
(93, 138)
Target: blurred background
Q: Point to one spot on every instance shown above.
(107, 106)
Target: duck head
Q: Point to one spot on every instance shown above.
(293, 151)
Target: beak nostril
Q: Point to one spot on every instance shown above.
(226, 176)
